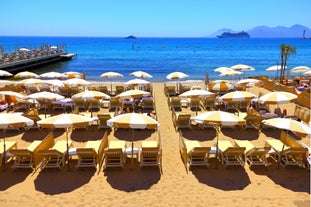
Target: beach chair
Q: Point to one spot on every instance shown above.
(32, 89)
(119, 89)
(182, 121)
(102, 120)
(195, 104)
(80, 103)
(32, 114)
(147, 103)
(92, 153)
(114, 155)
(253, 121)
(114, 102)
(209, 103)
(45, 88)
(170, 90)
(103, 89)
(254, 155)
(74, 90)
(8, 146)
(150, 153)
(231, 155)
(175, 102)
(55, 157)
(29, 157)
(64, 91)
(94, 104)
(287, 150)
(192, 153)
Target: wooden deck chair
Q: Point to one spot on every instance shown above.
(32, 114)
(170, 90)
(195, 104)
(119, 89)
(74, 90)
(231, 155)
(103, 89)
(114, 102)
(80, 103)
(64, 91)
(147, 103)
(55, 157)
(114, 155)
(192, 153)
(92, 153)
(150, 153)
(93, 104)
(45, 88)
(253, 121)
(29, 157)
(294, 156)
(102, 120)
(208, 103)
(8, 146)
(254, 155)
(32, 89)
(175, 102)
(182, 121)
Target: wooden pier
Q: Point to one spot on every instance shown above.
(17, 66)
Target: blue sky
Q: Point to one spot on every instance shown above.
(143, 18)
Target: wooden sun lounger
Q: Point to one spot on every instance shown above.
(193, 153)
(150, 153)
(254, 155)
(55, 156)
(231, 155)
(30, 157)
(8, 146)
(115, 154)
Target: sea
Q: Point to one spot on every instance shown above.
(161, 56)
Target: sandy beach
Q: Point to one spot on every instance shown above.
(135, 186)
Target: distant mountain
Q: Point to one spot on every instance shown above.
(295, 31)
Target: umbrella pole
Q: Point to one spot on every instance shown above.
(132, 154)
(4, 153)
(217, 134)
(68, 160)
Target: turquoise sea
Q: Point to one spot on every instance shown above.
(160, 56)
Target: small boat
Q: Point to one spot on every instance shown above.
(130, 37)
(234, 35)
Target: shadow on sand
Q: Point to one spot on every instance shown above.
(10, 177)
(230, 178)
(51, 181)
(291, 177)
(132, 178)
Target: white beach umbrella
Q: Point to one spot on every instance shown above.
(237, 96)
(52, 75)
(218, 119)
(141, 74)
(12, 120)
(24, 49)
(249, 81)
(133, 121)
(73, 74)
(222, 69)
(133, 94)
(65, 121)
(289, 124)
(55, 82)
(6, 82)
(197, 93)
(308, 73)
(5, 73)
(277, 97)
(12, 93)
(220, 86)
(76, 82)
(300, 69)
(91, 95)
(26, 74)
(111, 75)
(137, 82)
(231, 73)
(274, 68)
(242, 67)
(176, 75)
(31, 81)
(44, 95)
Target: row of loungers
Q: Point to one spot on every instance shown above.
(48, 154)
(286, 151)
